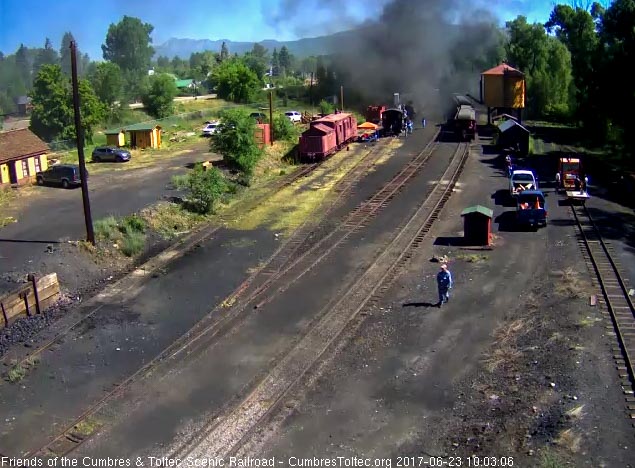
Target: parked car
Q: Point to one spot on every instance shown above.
(259, 116)
(293, 116)
(66, 175)
(210, 128)
(110, 153)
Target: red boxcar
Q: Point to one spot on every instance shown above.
(317, 142)
(327, 135)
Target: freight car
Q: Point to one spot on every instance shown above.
(461, 118)
(374, 114)
(327, 135)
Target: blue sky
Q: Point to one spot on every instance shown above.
(31, 21)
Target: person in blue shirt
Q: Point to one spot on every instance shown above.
(444, 282)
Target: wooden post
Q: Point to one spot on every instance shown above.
(33, 281)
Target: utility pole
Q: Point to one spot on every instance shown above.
(271, 117)
(79, 131)
(342, 98)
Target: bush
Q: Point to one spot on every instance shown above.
(134, 223)
(132, 242)
(206, 188)
(283, 129)
(106, 228)
(236, 141)
(326, 107)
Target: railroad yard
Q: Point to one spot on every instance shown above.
(320, 337)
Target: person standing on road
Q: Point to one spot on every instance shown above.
(444, 282)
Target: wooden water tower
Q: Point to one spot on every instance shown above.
(503, 91)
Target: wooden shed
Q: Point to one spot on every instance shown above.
(144, 135)
(262, 135)
(477, 225)
(116, 137)
(503, 89)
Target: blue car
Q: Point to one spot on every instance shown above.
(110, 154)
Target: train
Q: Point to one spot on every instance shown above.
(462, 118)
(326, 136)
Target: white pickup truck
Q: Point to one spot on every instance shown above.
(521, 180)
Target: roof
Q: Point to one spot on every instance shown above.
(466, 113)
(140, 127)
(320, 127)
(502, 69)
(507, 124)
(183, 83)
(18, 144)
(387, 111)
(462, 100)
(334, 117)
(478, 209)
(114, 131)
(522, 171)
(21, 100)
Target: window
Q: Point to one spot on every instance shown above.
(37, 164)
(25, 168)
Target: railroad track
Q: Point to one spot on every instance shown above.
(142, 273)
(211, 326)
(616, 299)
(228, 431)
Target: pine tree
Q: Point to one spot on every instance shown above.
(224, 52)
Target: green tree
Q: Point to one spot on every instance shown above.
(163, 64)
(52, 98)
(180, 67)
(275, 61)
(46, 56)
(284, 60)
(201, 64)
(546, 64)
(65, 53)
(224, 52)
(206, 188)
(326, 107)
(159, 99)
(83, 64)
(128, 45)
(258, 50)
(22, 65)
(236, 141)
(308, 65)
(283, 129)
(107, 82)
(235, 81)
(617, 95)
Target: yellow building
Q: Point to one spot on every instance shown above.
(144, 135)
(22, 154)
(503, 88)
(116, 137)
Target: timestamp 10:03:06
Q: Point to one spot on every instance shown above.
(471, 461)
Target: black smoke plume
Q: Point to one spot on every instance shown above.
(423, 49)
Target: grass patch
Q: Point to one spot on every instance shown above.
(569, 440)
(170, 220)
(505, 351)
(86, 427)
(127, 233)
(473, 258)
(569, 284)
(548, 459)
(6, 220)
(588, 322)
(16, 373)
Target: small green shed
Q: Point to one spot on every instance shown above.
(477, 225)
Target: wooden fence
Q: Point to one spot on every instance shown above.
(30, 299)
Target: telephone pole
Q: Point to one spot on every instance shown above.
(342, 98)
(271, 117)
(79, 131)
